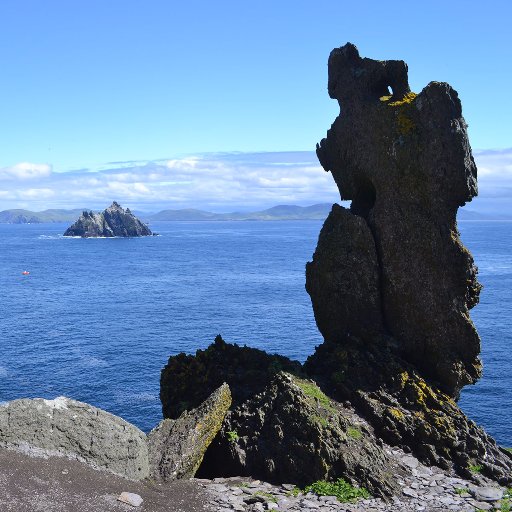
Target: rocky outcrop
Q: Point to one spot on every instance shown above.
(390, 282)
(187, 380)
(112, 222)
(67, 428)
(405, 162)
(177, 447)
(291, 432)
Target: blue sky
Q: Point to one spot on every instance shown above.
(88, 84)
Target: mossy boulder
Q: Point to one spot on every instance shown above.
(292, 432)
(177, 447)
(405, 409)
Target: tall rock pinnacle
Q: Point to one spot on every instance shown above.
(405, 162)
(390, 282)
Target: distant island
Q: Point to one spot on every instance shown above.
(281, 212)
(114, 221)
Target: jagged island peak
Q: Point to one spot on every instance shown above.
(114, 221)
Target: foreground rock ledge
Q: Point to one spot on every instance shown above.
(68, 428)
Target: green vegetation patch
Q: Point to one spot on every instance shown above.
(476, 468)
(354, 433)
(311, 390)
(233, 436)
(266, 495)
(322, 421)
(506, 502)
(344, 492)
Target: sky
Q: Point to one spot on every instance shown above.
(219, 105)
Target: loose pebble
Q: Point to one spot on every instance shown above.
(131, 499)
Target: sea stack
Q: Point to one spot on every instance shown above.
(114, 221)
(390, 282)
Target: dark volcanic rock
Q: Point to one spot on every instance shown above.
(345, 273)
(405, 162)
(405, 409)
(291, 432)
(114, 221)
(390, 282)
(188, 380)
(177, 447)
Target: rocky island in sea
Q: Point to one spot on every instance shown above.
(372, 414)
(113, 221)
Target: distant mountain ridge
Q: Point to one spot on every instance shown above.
(280, 212)
(19, 216)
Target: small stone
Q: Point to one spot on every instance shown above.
(487, 493)
(65, 471)
(131, 499)
(410, 461)
(410, 492)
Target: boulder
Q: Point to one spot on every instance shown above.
(68, 428)
(112, 222)
(177, 447)
(187, 380)
(291, 432)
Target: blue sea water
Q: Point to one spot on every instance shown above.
(97, 319)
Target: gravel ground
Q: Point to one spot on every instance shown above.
(29, 484)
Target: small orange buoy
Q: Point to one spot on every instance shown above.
(25, 272)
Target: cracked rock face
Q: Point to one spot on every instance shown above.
(68, 428)
(405, 162)
(291, 432)
(113, 221)
(390, 282)
(177, 447)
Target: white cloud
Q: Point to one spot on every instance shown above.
(216, 182)
(25, 171)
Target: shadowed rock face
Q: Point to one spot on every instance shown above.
(405, 162)
(390, 282)
(114, 221)
(291, 432)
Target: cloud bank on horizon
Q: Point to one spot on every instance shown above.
(219, 182)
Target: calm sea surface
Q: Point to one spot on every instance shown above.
(97, 319)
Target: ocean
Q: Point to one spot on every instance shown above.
(97, 319)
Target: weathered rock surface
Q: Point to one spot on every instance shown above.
(405, 162)
(187, 380)
(68, 428)
(404, 409)
(390, 282)
(114, 221)
(177, 447)
(291, 432)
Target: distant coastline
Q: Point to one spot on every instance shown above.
(280, 212)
